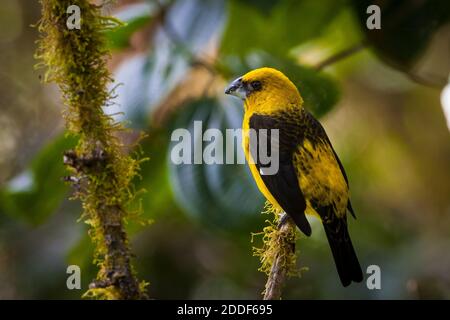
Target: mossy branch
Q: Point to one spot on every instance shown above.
(278, 255)
(101, 169)
(285, 238)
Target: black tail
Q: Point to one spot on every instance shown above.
(344, 255)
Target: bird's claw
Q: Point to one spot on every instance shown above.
(284, 218)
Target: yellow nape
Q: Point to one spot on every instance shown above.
(278, 93)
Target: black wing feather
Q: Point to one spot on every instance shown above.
(344, 254)
(283, 185)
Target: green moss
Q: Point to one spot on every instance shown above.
(276, 243)
(76, 61)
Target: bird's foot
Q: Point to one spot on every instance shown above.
(284, 218)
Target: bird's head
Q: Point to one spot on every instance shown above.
(265, 88)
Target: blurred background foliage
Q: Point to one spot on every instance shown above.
(377, 96)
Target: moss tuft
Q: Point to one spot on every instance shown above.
(278, 253)
(277, 243)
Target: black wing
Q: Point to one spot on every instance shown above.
(283, 185)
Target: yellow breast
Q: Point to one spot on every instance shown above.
(251, 163)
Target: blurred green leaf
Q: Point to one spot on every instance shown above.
(219, 195)
(36, 193)
(263, 6)
(134, 16)
(158, 199)
(319, 91)
(341, 33)
(81, 253)
(407, 28)
(147, 80)
(276, 27)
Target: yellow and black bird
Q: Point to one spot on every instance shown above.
(310, 177)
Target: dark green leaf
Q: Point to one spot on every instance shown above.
(119, 38)
(134, 17)
(36, 193)
(223, 195)
(275, 28)
(407, 28)
(158, 199)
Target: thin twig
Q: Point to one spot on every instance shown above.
(341, 55)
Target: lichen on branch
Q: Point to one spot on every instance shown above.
(101, 169)
(277, 255)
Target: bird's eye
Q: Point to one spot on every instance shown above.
(256, 85)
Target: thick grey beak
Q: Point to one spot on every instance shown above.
(236, 88)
